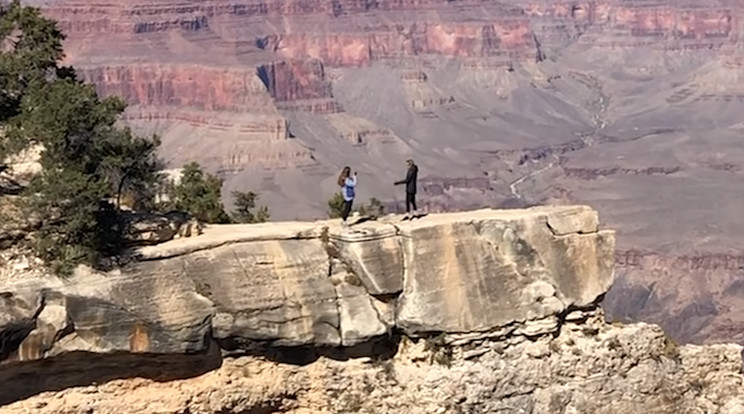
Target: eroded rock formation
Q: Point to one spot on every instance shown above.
(320, 285)
(489, 311)
(630, 106)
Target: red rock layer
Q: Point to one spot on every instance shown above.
(668, 25)
(295, 80)
(511, 38)
(193, 86)
(259, 57)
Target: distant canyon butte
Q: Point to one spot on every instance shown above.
(632, 107)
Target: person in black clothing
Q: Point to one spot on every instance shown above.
(410, 182)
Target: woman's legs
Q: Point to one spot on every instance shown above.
(347, 209)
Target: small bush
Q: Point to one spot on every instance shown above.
(245, 208)
(335, 205)
(198, 194)
(373, 208)
(439, 351)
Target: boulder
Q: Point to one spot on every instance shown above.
(142, 228)
(481, 270)
(373, 253)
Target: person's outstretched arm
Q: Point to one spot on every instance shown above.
(409, 178)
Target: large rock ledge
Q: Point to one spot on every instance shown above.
(491, 312)
(319, 284)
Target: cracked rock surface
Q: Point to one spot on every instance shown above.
(487, 312)
(318, 284)
(587, 367)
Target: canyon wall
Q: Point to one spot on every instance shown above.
(248, 64)
(694, 297)
(630, 106)
(488, 311)
(257, 60)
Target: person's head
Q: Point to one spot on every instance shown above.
(409, 162)
(345, 173)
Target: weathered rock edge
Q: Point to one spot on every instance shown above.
(318, 284)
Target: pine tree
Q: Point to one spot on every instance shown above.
(245, 203)
(199, 194)
(87, 160)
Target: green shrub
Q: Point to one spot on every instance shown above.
(336, 205)
(245, 210)
(199, 194)
(87, 161)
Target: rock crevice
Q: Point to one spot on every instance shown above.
(318, 284)
(489, 311)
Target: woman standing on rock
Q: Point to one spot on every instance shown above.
(347, 184)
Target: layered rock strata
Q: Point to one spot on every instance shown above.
(484, 311)
(317, 284)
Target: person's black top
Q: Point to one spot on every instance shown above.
(410, 180)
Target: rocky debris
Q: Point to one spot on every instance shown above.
(14, 224)
(17, 170)
(8, 185)
(588, 367)
(19, 263)
(153, 228)
(15, 174)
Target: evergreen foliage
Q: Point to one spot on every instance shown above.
(90, 164)
(335, 205)
(246, 210)
(373, 208)
(199, 194)
(88, 161)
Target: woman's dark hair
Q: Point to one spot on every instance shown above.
(345, 173)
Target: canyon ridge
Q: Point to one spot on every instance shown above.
(632, 107)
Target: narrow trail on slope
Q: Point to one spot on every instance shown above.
(520, 180)
(599, 121)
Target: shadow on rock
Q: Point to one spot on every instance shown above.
(380, 349)
(23, 380)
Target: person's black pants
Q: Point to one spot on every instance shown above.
(347, 209)
(410, 202)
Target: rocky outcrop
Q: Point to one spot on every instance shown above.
(591, 367)
(154, 228)
(595, 173)
(295, 80)
(489, 311)
(187, 86)
(321, 285)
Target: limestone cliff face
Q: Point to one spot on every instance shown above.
(484, 311)
(315, 284)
